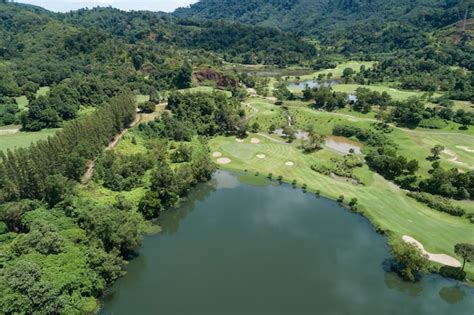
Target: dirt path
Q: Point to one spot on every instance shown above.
(439, 258)
(9, 131)
(90, 164)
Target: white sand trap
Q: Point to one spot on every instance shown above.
(239, 140)
(467, 149)
(261, 156)
(289, 163)
(439, 258)
(223, 161)
(216, 154)
(254, 141)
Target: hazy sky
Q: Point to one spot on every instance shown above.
(151, 5)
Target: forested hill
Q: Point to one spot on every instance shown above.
(332, 19)
(88, 56)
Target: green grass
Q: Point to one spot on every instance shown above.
(85, 111)
(396, 94)
(142, 98)
(42, 91)
(384, 204)
(23, 139)
(22, 102)
(206, 89)
(337, 72)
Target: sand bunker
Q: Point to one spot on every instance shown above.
(254, 141)
(289, 163)
(239, 140)
(223, 161)
(439, 258)
(216, 154)
(261, 156)
(467, 149)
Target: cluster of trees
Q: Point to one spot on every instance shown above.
(383, 158)
(24, 172)
(449, 183)
(409, 113)
(438, 203)
(8, 111)
(426, 73)
(60, 253)
(204, 114)
(411, 262)
(168, 184)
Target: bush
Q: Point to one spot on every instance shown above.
(340, 199)
(411, 260)
(452, 272)
(437, 203)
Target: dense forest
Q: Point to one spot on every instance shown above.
(88, 56)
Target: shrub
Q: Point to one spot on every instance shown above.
(340, 199)
(412, 261)
(437, 203)
(452, 272)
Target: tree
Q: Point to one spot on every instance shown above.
(436, 151)
(56, 190)
(413, 166)
(315, 142)
(466, 251)
(289, 133)
(183, 78)
(412, 261)
(255, 127)
(272, 128)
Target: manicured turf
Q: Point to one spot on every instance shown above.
(23, 139)
(395, 93)
(337, 72)
(205, 89)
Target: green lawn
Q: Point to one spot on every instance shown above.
(396, 94)
(206, 89)
(23, 139)
(22, 102)
(337, 72)
(383, 203)
(42, 91)
(142, 98)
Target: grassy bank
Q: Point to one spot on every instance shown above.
(23, 139)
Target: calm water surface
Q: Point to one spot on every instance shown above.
(233, 248)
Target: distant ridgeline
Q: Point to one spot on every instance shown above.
(356, 25)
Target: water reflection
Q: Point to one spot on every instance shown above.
(394, 282)
(169, 220)
(453, 294)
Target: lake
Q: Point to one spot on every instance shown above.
(311, 84)
(234, 248)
